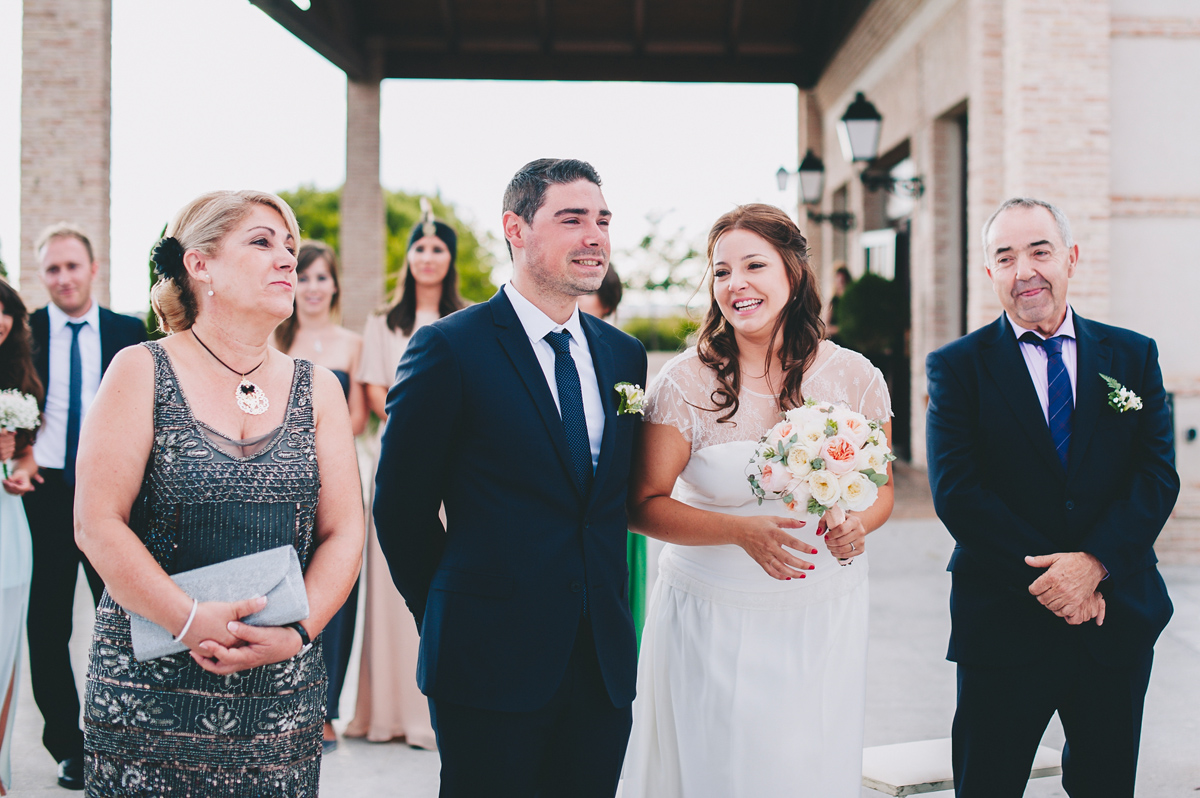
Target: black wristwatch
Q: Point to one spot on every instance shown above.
(305, 641)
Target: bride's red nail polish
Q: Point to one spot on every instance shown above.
(802, 575)
(787, 578)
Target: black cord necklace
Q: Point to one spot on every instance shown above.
(250, 398)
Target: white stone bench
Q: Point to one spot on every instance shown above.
(925, 766)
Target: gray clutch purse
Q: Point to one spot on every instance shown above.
(274, 573)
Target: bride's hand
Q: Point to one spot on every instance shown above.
(764, 536)
(845, 535)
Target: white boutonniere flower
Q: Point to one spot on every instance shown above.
(633, 399)
(1121, 398)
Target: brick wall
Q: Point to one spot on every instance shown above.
(65, 129)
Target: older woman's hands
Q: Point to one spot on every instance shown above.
(845, 535)
(763, 537)
(256, 646)
(213, 618)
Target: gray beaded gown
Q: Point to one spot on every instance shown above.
(167, 727)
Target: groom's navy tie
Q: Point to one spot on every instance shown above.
(570, 406)
(74, 404)
(1060, 400)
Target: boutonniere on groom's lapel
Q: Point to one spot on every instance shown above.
(1121, 398)
(633, 399)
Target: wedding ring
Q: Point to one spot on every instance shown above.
(852, 547)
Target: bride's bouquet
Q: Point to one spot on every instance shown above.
(820, 456)
(18, 411)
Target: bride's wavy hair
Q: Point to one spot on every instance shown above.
(797, 332)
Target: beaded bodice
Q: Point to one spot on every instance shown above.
(206, 498)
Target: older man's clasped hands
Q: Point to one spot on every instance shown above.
(1068, 587)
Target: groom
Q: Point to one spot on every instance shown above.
(506, 413)
(1055, 498)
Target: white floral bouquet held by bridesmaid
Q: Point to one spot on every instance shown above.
(819, 457)
(18, 411)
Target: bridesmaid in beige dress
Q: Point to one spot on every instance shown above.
(390, 706)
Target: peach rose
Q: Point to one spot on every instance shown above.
(775, 477)
(840, 454)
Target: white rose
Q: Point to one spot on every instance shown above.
(873, 457)
(858, 492)
(812, 435)
(799, 460)
(824, 487)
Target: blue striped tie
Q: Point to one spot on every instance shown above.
(1060, 400)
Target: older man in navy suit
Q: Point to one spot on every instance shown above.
(507, 413)
(74, 340)
(1054, 494)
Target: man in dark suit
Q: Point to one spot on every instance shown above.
(1054, 494)
(507, 413)
(74, 340)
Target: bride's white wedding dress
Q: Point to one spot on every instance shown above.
(748, 686)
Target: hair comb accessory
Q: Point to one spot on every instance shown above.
(168, 258)
(428, 226)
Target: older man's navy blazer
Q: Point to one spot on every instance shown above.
(498, 594)
(1001, 490)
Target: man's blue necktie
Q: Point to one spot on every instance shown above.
(1061, 402)
(74, 404)
(570, 405)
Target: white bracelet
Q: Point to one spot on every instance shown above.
(188, 625)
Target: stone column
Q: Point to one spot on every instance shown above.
(66, 82)
(363, 228)
(985, 147)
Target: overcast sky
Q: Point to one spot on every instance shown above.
(214, 94)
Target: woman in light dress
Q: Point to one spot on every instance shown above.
(390, 705)
(16, 549)
(751, 676)
(313, 333)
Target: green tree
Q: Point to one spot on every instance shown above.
(319, 215)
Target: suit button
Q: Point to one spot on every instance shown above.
(1070, 505)
(576, 586)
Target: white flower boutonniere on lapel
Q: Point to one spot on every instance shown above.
(633, 399)
(1121, 398)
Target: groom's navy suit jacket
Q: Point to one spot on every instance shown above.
(1000, 489)
(498, 594)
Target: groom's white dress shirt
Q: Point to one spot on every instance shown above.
(50, 448)
(1036, 357)
(537, 324)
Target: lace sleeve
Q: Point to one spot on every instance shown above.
(665, 404)
(875, 402)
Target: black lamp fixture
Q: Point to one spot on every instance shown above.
(858, 134)
(812, 189)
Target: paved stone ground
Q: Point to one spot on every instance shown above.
(910, 694)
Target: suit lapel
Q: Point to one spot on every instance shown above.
(1093, 358)
(1003, 360)
(602, 359)
(108, 343)
(515, 342)
(39, 325)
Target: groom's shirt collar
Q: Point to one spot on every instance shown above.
(537, 323)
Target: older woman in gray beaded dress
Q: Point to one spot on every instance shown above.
(202, 447)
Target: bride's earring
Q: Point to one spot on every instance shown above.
(210, 292)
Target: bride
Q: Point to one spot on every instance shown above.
(748, 685)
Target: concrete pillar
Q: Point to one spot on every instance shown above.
(810, 139)
(66, 113)
(363, 227)
(985, 147)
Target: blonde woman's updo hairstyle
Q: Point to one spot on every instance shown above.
(798, 331)
(202, 225)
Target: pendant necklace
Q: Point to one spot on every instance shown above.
(251, 399)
